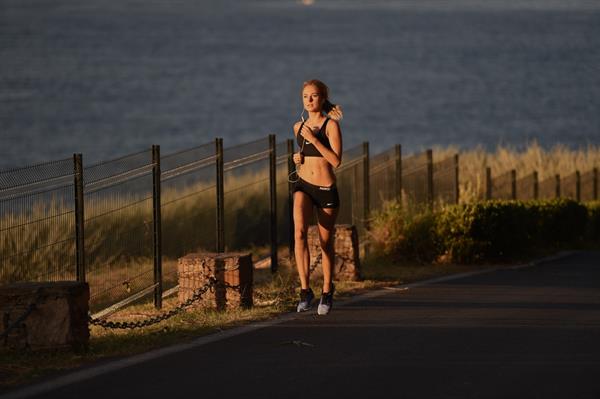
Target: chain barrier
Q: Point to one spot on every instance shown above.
(318, 259)
(20, 319)
(212, 283)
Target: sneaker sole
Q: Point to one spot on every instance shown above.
(323, 312)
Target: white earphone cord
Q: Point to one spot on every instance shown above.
(291, 179)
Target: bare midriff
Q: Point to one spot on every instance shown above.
(317, 171)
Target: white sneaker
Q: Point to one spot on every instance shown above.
(326, 302)
(306, 297)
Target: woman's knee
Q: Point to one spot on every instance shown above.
(300, 234)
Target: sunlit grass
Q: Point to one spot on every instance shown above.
(559, 159)
(118, 238)
(188, 225)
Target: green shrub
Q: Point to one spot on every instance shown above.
(559, 221)
(593, 226)
(493, 230)
(386, 228)
(401, 234)
(483, 231)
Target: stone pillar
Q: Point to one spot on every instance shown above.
(194, 271)
(58, 316)
(347, 262)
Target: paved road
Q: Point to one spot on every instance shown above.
(526, 333)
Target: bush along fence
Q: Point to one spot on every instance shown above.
(500, 229)
(121, 225)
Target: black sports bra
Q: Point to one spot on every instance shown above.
(309, 149)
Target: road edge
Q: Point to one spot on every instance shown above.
(94, 371)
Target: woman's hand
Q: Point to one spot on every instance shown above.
(308, 133)
(298, 158)
(336, 113)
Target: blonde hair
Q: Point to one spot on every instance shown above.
(334, 111)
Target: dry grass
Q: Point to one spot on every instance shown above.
(114, 237)
(38, 243)
(557, 160)
(187, 218)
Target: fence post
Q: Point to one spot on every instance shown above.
(157, 241)
(536, 185)
(456, 186)
(557, 178)
(595, 193)
(220, 188)
(355, 196)
(366, 183)
(513, 184)
(291, 169)
(430, 178)
(273, 204)
(398, 187)
(488, 183)
(366, 192)
(79, 217)
(577, 186)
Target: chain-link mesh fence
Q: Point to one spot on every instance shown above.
(37, 223)
(119, 228)
(589, 185)
(188, 206)
(247, 196)
(284, 221)
(383, 184)
(38, 208)
(569, 186)
(415, 181)
(502, 186)
(445, 181)
(547, 188)
(526, 187)
(350, 180)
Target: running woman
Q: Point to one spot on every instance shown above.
(320, 140)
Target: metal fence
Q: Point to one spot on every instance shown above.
(121, 225)
(549, 188)
(502, 186)
(283, 207)
(445, 187)
(37, 223)
(417, 180)
(385, 177)
(247, 195)
(119, 228)
(188, 207)
(527, 187)
(577, 186)
(589, 185)
(352, 183)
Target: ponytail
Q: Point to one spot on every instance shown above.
(333, 111)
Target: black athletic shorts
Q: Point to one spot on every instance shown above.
(322, 197)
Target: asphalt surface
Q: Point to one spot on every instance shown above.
(532, 332)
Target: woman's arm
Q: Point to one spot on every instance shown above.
(298, 157)
(334, 133)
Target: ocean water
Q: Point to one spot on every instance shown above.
(107, 77)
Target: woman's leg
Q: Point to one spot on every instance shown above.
(303, 208)
(326, 218)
